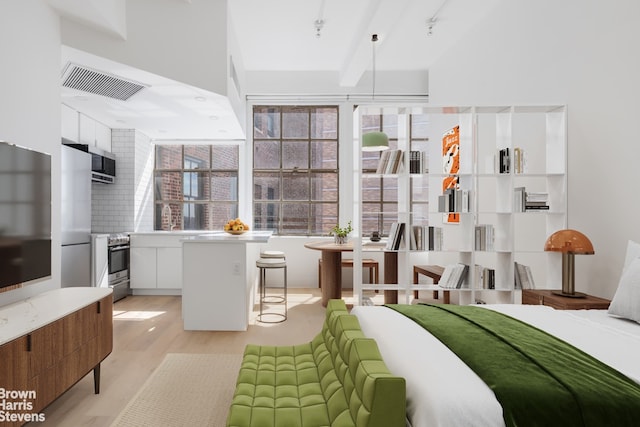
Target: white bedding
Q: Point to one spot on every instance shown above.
(443, 391)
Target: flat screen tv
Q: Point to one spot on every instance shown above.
(25, 215)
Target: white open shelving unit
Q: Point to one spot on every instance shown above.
(539, 131)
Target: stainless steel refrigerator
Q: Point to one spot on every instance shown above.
(76, 217)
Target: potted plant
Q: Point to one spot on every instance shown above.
(340, 234)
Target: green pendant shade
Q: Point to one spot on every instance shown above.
(375, 141)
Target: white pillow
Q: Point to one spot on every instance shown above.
(633, 252)
(626, 301)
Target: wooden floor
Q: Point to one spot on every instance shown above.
(146, 329)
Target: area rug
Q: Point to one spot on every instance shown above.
(185, 390)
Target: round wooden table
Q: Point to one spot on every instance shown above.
(331, 267)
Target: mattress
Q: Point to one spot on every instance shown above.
(443, 391)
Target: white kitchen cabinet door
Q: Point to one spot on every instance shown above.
(103, 137)
(70, 123)
(169, 268)
(143, 268)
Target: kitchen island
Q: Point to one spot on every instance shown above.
(218, 279)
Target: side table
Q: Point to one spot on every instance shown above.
(546, 297)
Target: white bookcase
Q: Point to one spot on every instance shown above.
(518, 236)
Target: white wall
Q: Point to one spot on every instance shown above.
(189, 41)
(583, 54)
(30, 102)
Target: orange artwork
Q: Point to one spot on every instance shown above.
(451, 165)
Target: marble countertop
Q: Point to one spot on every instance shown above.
(221, 236)
(29, 314)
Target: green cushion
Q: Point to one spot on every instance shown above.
(338, 379)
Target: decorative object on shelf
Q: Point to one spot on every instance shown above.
(341, 234)
(451, 166)
(569, 243)
(236, 227)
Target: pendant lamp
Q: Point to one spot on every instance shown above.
(374, 141)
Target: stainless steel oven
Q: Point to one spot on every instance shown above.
(118, 262)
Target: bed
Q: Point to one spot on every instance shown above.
(443, 391)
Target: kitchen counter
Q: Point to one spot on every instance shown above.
(219, 278)
(221, 236)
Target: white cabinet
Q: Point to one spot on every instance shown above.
(94, 133)
(143, 268)
(169, 268)
(156, 262)
(496, 194)
(70, 123)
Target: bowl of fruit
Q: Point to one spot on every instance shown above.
(236, 227)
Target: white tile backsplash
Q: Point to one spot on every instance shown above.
(127, 204)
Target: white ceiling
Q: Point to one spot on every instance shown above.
(275, 35)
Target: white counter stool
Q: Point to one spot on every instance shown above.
(263, 265)
(272, 254)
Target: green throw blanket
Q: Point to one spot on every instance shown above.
(538, 379)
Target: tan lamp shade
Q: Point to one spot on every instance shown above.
(375, 141)
(569, 241)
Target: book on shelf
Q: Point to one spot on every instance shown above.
(503, 160)
(484, 237)
(453, 276)
(454, 200)
(395, 236)
(390, 162)
(488, 278)
(523, 277)
(519, 160)
(418, 162)
(524, 201)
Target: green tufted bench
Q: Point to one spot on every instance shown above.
(338, 379)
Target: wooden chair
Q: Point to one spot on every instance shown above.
(371, 264)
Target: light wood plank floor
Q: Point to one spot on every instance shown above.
(146, 329)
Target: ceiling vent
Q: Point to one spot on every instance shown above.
(99, 83)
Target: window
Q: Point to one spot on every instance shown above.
(380, 192)
(196, 186)
(295, 169)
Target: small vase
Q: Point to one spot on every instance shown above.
(340, 240)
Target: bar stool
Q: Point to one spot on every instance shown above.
(263, 265)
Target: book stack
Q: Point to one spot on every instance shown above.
(523, 277)
(427, 238)
(453, 276)
(454, 200)
(528, 201)
(488, 278)
(484, 237)
(536, 201)
(503, 160)
(395, 236)
(390, 162)
(418, 162)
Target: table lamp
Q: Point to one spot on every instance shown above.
(569, 243)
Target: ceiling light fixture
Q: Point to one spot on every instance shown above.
(200, 98)
(431, 22)
(319, 23)
(374, 141)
